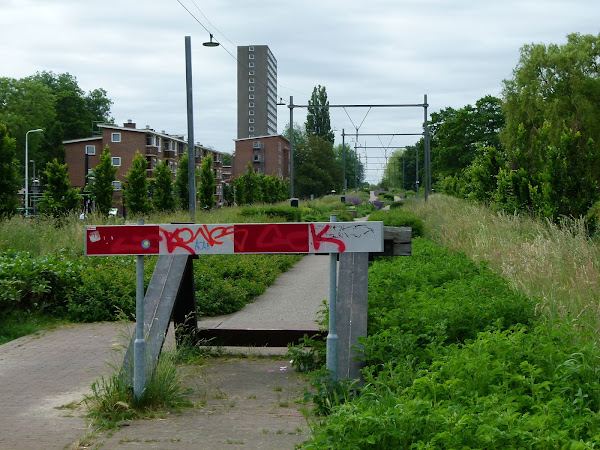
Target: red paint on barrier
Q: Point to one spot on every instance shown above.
(271, 238)
(122, 240)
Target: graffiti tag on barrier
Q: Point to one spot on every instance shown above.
(194, 239)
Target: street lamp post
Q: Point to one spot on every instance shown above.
(38, 130)
(190, 122)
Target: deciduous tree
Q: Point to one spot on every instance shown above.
(9, 174)
(136, 186)
(102, 187)
(162, 187)
(207, 184)
(59, 198)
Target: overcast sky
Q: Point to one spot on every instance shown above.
(375, 52)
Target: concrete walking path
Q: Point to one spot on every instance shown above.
(43, 376)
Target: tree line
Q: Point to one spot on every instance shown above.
(535, 150)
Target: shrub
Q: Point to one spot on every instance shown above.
(353, 201)
(289, 213)
(398, 204)
(399, 218)
(377, 204)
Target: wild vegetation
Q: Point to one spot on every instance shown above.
(458, 358)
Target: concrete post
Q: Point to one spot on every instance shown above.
(351, 311)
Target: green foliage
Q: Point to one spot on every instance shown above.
(207, 184)
(182, 185)
(592, 218)
(552, 129)
(317, 120)
(455, 359)
(36, 284)
(315, 170)
(54, 102)
(162, 188)
(254, 188)
(515, 388)
(399, 218)
(355, 169)
(135, 190)
(59, 198)
(9, 175)
(102, 188)
(105, 290)
(288, 213)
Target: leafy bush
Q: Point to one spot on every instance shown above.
(398, 204)
(377, 204)
(455, 359)
(515, 388)
(399, 218)
(289, 213)
(40, 284)
(389, 197)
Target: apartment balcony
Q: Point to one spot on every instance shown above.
(170, 154)
(151, 150)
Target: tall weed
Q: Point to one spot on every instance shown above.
(557, 265)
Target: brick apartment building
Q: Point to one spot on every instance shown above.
(82, 155)
(269, 155)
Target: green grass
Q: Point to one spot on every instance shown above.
(14, 325)
(112, 401)
(558, 266)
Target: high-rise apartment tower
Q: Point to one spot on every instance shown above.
(256, 92)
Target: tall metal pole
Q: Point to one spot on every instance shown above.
(355, 162)
(139, 345)
(27, 169)
(426, 149)
(344, 162)
(331, 357)
(417, 168)
(190, 123)
(291, 146)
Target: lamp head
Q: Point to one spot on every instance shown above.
(211, 43)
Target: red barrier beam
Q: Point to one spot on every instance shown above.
(223, 239)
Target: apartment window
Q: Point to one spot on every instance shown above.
(115, 137)
(251, 64)
(150, 140)
(251, 56)
(250, 128)
(250, 120)
(90, 172)
(251, 112)
(251, 48)
(251, 88)
(251, 72)
(90, 149)
(251, 97)
(251, 80)
(251, 105)
(116, 161)
(116, 185)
